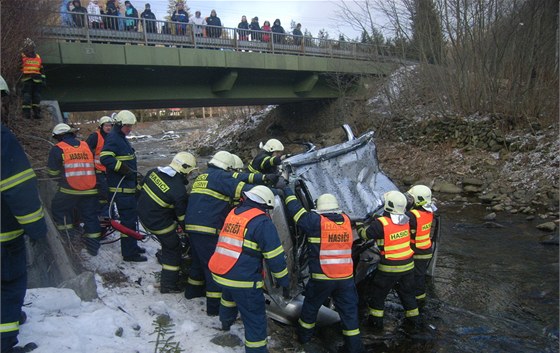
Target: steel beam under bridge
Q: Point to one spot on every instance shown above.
(94, 76)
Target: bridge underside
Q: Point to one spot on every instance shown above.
(86, 77)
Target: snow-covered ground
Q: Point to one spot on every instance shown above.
(58, 321)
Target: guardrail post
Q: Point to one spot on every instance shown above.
(86, 25)
(145, 31)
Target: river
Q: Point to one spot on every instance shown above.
(495, 288)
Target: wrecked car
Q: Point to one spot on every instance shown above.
(350, 171)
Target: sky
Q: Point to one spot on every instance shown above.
(313, 15)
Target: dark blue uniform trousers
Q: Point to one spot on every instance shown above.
(345, 297)
(250, 304)
(103, 193)
(14, 285)
(126, 205)
(203, 246)
(195, 284)
(63, 206)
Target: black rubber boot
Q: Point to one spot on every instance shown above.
(135, 258)
(92, 245)
(169, 282)
(18, 349)
(374, 322)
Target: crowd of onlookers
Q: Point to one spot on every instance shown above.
(74, 15)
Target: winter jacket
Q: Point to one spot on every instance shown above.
(278, 29)
(150, 22)
(22, 211)
(163, 201)
(119, 158)
(264, 162)
(216, 24)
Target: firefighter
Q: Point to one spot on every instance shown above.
(95, 141)
(268, 160)
(22, 213)
(212, 195)
(33, 79)
(391, 232)
(119, 158)
(161, 208)
(247, 237)
(421, 219)
(71, 161)
(329, 234)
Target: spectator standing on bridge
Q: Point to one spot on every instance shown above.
(22, 213)
(266, 28)
(255, 29)
(120, 160)
(94, 11)
(214, 29)
(297, 34)
(243, 35)
(79, 14)
(65, 13)
(278, 32)
(71, 161)
(111, 9)
(33, 79)
(198, 23)
(330, 239)
(180, 15)
(149, 19)
(131, 14)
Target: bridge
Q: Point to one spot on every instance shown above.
(166, 64)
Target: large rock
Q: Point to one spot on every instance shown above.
(547, 226)
(473, 181)
(447, 187)
(84, 285)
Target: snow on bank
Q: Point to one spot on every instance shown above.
(58, 321)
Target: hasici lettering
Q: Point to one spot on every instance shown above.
(427, 226)
(398, 235)
(159, 183)
(232, 228)
(78, 155)
(338, 238)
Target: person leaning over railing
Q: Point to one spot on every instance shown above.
(243, 35)
(94, 11)
(255, 29)
(180, 15)
(214, 29)
(111, 9)
(278, 32)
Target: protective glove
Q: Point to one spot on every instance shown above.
(362, 232)
(124, 169)
(286, 293)
(271, 178)
(281, 183)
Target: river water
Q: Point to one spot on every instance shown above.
(495, 288)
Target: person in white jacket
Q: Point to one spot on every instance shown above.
(198, 22)
(94, 9)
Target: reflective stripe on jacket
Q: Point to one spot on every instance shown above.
(230, 242)
(335, 255)
(97, 152)
(79, 168)
(424, 221)
(31, 66)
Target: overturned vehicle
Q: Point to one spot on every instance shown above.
(350, 171)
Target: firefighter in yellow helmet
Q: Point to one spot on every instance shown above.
(269, 158)
(96, 141)
(161, 208)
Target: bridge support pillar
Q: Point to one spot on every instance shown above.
(306, 84)
(225, 83)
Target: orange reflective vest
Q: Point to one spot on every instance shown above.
(98, 148)
(31, 66)
(79, 169)
(230, 242)
(396, 240)
(335, 254)
(423, 228)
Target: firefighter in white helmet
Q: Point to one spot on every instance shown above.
(161, 209)
(212, 195)
(328, 232)
(421, 215)
(254, 178)
(71, 162)
(391, 232)
(235, 263)
(119, 158)
(269, 158)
